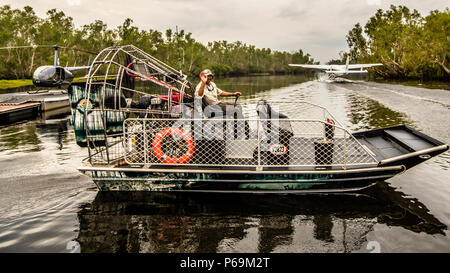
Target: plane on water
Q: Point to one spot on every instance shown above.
(339, 70)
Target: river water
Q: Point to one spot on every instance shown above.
(46, 205)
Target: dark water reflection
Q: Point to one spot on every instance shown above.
(21, 138)
(27, 136)
(365, 113)
(161, 222)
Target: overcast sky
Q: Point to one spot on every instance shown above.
(316, 26)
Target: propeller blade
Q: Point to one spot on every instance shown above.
(81, 50)
(29, 46)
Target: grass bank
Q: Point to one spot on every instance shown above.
(6, 84)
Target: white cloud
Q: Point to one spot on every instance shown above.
(73, 2)
(374, 2)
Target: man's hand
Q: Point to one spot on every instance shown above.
(203, 78)
(237, 94)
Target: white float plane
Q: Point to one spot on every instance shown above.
(340, 70)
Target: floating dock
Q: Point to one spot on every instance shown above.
(10, 113)
(16, 107)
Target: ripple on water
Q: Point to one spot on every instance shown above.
(45, 226)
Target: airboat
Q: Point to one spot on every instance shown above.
(146, 131)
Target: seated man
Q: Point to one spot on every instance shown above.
(208, 91)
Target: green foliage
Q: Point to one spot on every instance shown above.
(221, 69)
(357, 43)
(408, 45)
(176, 48)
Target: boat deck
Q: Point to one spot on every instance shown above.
(400, 143)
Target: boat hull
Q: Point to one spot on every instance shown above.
(110, 179)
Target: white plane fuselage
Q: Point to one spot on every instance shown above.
(339, 69)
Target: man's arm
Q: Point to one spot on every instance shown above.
(202, 85)
(227, 94)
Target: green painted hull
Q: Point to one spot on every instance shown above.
(314, 181)
(95, 120)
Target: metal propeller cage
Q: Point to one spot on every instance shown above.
(118, 79)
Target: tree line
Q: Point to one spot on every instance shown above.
(408, 44)
(176, 48)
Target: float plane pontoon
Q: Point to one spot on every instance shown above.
(145, 131)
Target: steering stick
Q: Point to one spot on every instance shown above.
(237, 97)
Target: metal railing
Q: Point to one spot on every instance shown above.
(240, 143)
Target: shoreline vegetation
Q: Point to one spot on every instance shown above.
(409, 46)
(176, 48)
(6, 85)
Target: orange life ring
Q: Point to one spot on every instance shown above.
(157, 151)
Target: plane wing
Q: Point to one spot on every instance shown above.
(342, 67)
(316, 66)
(355, 66)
